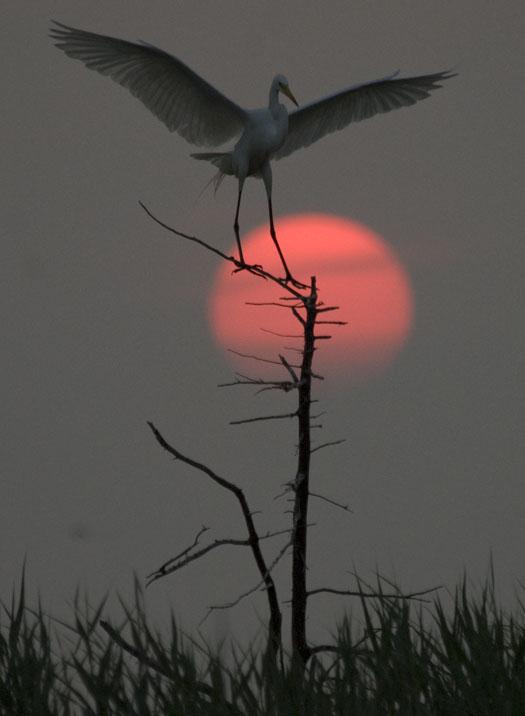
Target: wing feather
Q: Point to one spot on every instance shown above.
(315, 120)
(173, 92)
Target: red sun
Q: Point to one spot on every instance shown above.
(355, 270)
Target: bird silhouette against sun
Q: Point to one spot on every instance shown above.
(200, 113)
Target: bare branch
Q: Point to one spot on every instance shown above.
(181, 554)
(290, 369)
(282, 335)
(262, 360)
(272, 362)
(285, 385)
(278, 533)
(346, 508)
(416, 596)
(241, 379)
(183, 559)
(381, 578)
(193, 463)
(317, 415)
(298, 316)
(325, 309)
(230, 605)
(188, 237)
(165, 569)
(271, 303)
(288, 487)
(328, 444)
(255, 270)
(245, 377)
(332, 323)
(250, 381)
(264, 417)
(275, 625)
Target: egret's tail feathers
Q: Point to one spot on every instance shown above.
(223, 162)
(216, 180)
(213, 157)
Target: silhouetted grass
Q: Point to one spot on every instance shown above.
(398, 658)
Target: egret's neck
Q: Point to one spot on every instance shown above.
(273, 102)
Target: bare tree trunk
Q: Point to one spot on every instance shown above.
(300, 648)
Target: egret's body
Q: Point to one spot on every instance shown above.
(265, 131)
(201, 114)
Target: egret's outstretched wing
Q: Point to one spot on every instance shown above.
(185, 102)
(317, 119)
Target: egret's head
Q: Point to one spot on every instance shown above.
(284, 87)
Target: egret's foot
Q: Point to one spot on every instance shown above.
(290, 279)
(243, 266)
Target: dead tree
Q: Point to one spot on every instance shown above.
(309, 313)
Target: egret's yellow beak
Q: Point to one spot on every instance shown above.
(288, 92)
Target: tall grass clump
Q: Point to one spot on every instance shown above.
(391, 656)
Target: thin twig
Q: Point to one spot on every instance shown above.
(262, 360)
(290, 369)
(165, 569)
(332, 323)
(325, 309)
(181, 554)
(285, 385)
(255, 270)
(230, 605)
(416, 596)
(189, 238)
(184, 558)
(264, 417)
(244, 382)
(281, 335)
(317, 415)
(380, 578)
(269, 360)
(328, 444)
(331, 502)
(271, 303)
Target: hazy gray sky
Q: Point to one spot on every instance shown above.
(104, 315)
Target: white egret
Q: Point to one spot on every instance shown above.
(193, 108)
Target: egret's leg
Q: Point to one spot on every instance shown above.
(266, 173)
(236, 225)
(288, 275)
